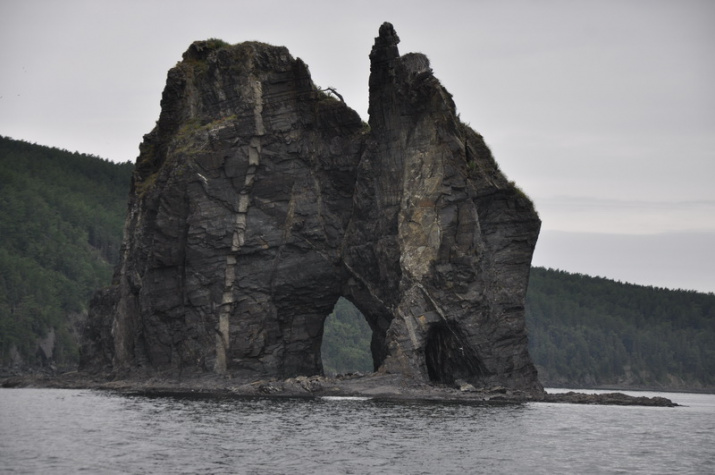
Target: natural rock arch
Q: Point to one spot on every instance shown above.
(258, 200)
(346, 341)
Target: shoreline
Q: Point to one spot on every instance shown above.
(375, 386)
(652, 389)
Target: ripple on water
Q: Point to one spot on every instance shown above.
(62, 431)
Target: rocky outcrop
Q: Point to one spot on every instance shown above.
(612, 399)
(240, 199)
(440, 244)
(258, 200)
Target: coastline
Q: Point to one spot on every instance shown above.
(645, 388)
(392, 387)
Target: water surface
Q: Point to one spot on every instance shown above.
(70, 431)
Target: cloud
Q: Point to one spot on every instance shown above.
(670, 260)
(604, 215)
(602, 111)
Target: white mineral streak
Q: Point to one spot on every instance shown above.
(239, 232)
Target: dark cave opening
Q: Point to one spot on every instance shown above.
(448, 357)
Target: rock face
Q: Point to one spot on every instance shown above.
(258, 201)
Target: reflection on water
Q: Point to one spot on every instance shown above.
(58, 431)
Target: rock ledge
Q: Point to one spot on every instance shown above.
(373, 386)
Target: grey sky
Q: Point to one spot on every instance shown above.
(603, 111)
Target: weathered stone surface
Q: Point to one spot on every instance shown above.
(613, 399)
(258, 201)
(231, 256)
(440, 244)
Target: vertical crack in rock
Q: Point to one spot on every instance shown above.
(258, 200)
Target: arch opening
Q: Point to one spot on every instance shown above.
(345, 347)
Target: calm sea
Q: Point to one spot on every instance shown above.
(72, 431)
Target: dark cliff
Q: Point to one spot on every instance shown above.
(258, 201)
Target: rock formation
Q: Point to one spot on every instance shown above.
(258, 200)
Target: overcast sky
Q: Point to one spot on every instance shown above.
(602, 111)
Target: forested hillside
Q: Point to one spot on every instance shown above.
(587, 331)
(61, 218)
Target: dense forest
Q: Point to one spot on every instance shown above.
(587, 331)
(61, 217)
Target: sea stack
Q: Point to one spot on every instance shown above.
(259, 199)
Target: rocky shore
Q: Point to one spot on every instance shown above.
(374, 385)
